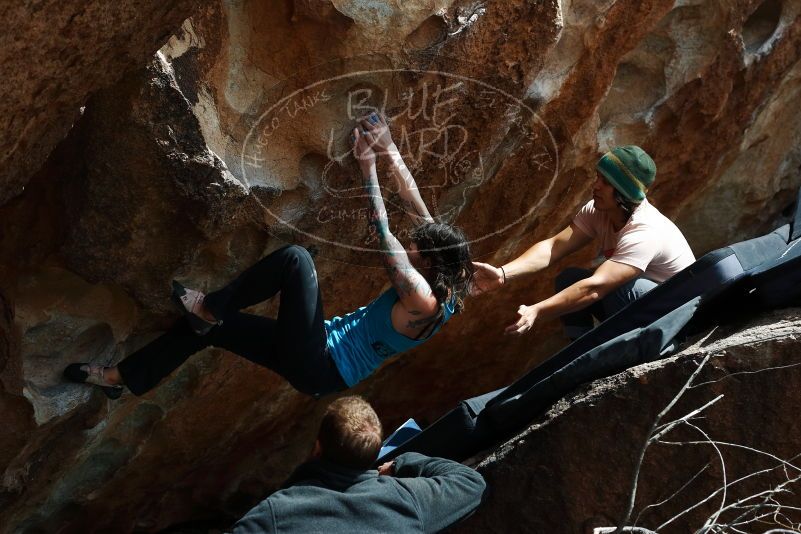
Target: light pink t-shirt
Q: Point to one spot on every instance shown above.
(649, 241)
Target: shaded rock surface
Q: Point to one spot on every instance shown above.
(572, 471)
(232, 141)
(53, 55)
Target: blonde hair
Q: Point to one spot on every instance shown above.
(350, 433)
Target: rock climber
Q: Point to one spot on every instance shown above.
(337, 491)
(638, 246)
(429, 282)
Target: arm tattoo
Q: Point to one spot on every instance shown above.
(404, 277)
(414, 213)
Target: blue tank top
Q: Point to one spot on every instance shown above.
(360, 341)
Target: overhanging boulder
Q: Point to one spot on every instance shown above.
(572, 471)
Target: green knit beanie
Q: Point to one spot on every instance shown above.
(630, 170)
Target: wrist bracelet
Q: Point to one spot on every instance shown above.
(504, 274)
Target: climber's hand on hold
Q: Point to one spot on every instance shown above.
(377, 126)
(363, 149)
(486, 278)
(526, 317)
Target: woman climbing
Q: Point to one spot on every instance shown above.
(429, 282)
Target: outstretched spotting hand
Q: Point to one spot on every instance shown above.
(377, 127)
(486, 278)
(363, 148)
(526, 317)
(386, 469)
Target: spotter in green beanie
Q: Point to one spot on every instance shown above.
(630, 170)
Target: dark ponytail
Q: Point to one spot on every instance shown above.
(448, 251)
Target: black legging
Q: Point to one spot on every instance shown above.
(293, 345)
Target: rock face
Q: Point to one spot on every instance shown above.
(734, 460)
(53, 55)
(232, 140)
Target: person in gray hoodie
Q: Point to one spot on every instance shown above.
(337, 491)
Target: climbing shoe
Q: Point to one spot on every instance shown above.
(88, 373)
(189, 301)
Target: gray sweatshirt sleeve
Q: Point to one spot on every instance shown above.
(443, 491)
(259, 520)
